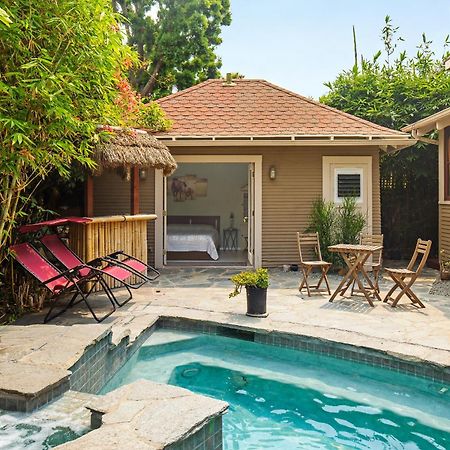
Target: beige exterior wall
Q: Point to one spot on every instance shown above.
(286, 201)
(112, 195)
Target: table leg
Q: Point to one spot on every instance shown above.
(362, 258)
(369, 281)
(352, 268)
(355, 266)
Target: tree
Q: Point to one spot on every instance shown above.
(175, 41)
(60, 66)
(395, 92)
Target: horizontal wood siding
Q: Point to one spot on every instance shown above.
(444, 227)
(112, 194)
(287, 200)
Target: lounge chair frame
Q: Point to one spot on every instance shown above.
(103, 263)
(72, 282)
(308, 264)
(405, 278)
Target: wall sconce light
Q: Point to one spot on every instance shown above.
(272, 173)
(142, 174)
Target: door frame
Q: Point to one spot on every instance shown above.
(159, 199)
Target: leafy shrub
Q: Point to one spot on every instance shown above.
(258, 278)
(322, 220)
(350, 221)
(336, 225)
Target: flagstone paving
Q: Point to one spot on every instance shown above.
(203, 294)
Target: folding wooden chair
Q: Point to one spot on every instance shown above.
(374, 265)
(405, 278)
(311, 258)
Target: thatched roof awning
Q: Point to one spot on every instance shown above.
(126, 148)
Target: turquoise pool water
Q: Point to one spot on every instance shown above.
(285, 399)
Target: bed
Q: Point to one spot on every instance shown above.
(193, 237)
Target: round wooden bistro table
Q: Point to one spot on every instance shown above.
(355, 256)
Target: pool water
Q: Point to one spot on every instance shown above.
(286, 399)
(60, 421)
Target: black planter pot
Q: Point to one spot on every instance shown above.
(256, 302)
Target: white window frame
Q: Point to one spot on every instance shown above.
(349, 171)
(364, 163)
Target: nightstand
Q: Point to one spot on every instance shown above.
(230, 239)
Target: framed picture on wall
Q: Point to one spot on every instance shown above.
(187, 187)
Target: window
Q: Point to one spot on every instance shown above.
(447, 163)
(348, 183)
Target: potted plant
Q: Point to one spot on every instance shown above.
(444, 265)
(256, 284)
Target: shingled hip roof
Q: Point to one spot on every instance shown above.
(258, 108)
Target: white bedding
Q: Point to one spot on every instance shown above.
(193, 238)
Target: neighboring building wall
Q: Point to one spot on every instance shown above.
(444, 227)
(112, 195)
(444, 205)
(287, 200)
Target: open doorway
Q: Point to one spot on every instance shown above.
(208, 220)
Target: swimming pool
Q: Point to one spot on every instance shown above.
(288, 399)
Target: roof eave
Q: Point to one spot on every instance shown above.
(437, 121)
(394, 142)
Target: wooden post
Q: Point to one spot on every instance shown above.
(89, 196)
(134, 190)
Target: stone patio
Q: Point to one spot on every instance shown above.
(202, 294)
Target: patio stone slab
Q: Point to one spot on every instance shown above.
(146, 415)
(35, 361)
(24, 379)
(48, 345)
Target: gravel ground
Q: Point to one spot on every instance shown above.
(440, 287)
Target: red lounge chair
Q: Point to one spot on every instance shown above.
(60, 283)
(110, 265)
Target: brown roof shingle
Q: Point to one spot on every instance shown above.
(257, 108)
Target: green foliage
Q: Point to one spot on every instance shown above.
(59, 66)
(152, 116)
(175, 40)
(4, 18)
(322, 219)
(58, 75)
(395, 92)
(336, 225)
(134, 112)
(258, 278)
(350, 221)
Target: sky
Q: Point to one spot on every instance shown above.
(301, 44)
